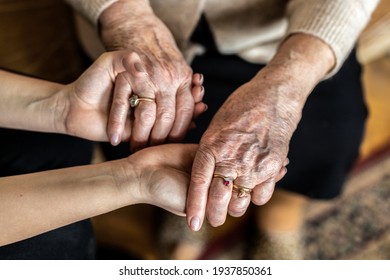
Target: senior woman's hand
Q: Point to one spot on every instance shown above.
(244, 151)
(132, 25)
(96, 106)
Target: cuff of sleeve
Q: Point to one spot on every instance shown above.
(338, 23)
(91, 9)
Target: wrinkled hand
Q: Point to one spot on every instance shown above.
(98, 102)
(163, 178)
(132, 25)
(247, 141)
(249, 136)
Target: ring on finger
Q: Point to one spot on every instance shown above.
(241, 191)
(227, 181)
(135, 99)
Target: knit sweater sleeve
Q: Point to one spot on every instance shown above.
(337, 22)
(90, 9)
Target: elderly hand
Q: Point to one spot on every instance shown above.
(132, 25)
(246, 148)
(97, 104)
(247, 142)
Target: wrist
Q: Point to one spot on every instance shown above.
(121, 16)
(304, 57)
(127, 179)
(301, 62)
(61, 104)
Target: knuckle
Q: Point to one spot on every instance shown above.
(186, 111)
(198, 179)
(271, 165)
(219, 196)
(119, 107)
(147, 117)
(166, 117)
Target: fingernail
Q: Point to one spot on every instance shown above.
(195, 223)
(201, 78)
(205, 107)
(114, 139)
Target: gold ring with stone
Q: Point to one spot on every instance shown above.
(135, 99)
(241, 191)
(227, 181)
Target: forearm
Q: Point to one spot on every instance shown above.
(301, 62)
(35, 203)
(117, 14)
(304, 58)
(126, 24)
(30, 104)
(288, 79)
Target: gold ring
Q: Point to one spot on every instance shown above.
(241, 191)
(227, 181)
(135, 99)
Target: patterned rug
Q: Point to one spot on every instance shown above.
(356, 225)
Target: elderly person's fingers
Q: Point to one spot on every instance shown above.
(174, 97)
(184, 115)
(119, 109)
(281, 174)
(142, 101)
(144, 119)
(197, 79)
(165, 117)
(199, 109)
(198, 93)
(238, 205)
(201, 177)
(220, 193)
(263, 192)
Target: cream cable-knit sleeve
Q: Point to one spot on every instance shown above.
(90, 9)
(337, 22)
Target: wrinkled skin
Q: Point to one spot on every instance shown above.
(249, 143)
(101, 94)
(132, 26)
(248, 138)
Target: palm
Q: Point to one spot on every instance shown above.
(165, 175)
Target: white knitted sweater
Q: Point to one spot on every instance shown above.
(254, 28)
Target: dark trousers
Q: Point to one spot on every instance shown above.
(24, 152)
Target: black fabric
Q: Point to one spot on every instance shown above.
(326, 142)
(72, 242)
(24, 152)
